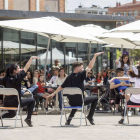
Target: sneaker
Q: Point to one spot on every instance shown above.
(46, 110)
(121, 121)
(129, 113)
(116, 111)
(139, 113)
(51, 106)
(29, 123)
(90, 120)
(68, 122)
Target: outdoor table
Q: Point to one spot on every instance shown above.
(97, 86)
(56, 103)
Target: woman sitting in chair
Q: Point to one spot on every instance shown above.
(134, 99)
(13, 78)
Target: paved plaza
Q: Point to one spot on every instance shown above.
(47, 127)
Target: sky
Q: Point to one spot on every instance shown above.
(72, 4)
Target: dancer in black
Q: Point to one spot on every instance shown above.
(13, 78)
(76, 79)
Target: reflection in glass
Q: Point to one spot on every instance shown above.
(42, 43)
(70, 56)
(0, 51)
(83, 53)
(28, 48)
(10, 47)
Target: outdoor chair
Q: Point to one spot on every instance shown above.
(72, 92)
(133, 91)
(9, 92)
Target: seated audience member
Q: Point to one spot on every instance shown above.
(53, 79)
(98, 80)
(106, 78)
(41, 71)
(104, 73)
(89, 78)
(120, 86)
(41, 91)
(26, 88)
(56, 64)
(99, 77)
(134, 99)
(35, 77)
(59, 81)
(88, 81)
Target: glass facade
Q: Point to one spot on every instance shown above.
(135, 13)
(130, 13)
(10, 47)
(18, 47)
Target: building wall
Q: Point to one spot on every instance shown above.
(10, 4)
(21, 5)
(42, 5)
(62, 6)
(32, 5)
(1, 4)
(125, 8)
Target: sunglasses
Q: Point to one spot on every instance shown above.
(89, 73)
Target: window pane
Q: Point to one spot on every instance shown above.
(42, 43)
(82, 53)
(70, 56)
(0, 51)
(135, 13)
(27, 48)
(10, 47)
(58, 52)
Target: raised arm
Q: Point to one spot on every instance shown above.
(29, 63)
(117, 61)
(120, 78)
(92, 62)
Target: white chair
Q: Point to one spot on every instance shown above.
(9, 92)
(133, 91)
(72, 91)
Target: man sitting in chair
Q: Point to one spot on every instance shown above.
(76, 79)
(120, 86)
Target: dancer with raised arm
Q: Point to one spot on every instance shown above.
(76, 79)
(13, 78)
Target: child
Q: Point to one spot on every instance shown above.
(124, 62)
(41, 91)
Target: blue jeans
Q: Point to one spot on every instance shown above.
(31, 89)
(60, 99)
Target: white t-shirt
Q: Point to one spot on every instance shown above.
(135, 98)
(126, 68)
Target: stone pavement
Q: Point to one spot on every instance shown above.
(47, 127)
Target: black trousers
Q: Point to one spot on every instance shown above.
(29, 102)
(129, 103)
(87, 100)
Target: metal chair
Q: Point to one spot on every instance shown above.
(133, 91)
(9, 92)
(72, 91)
